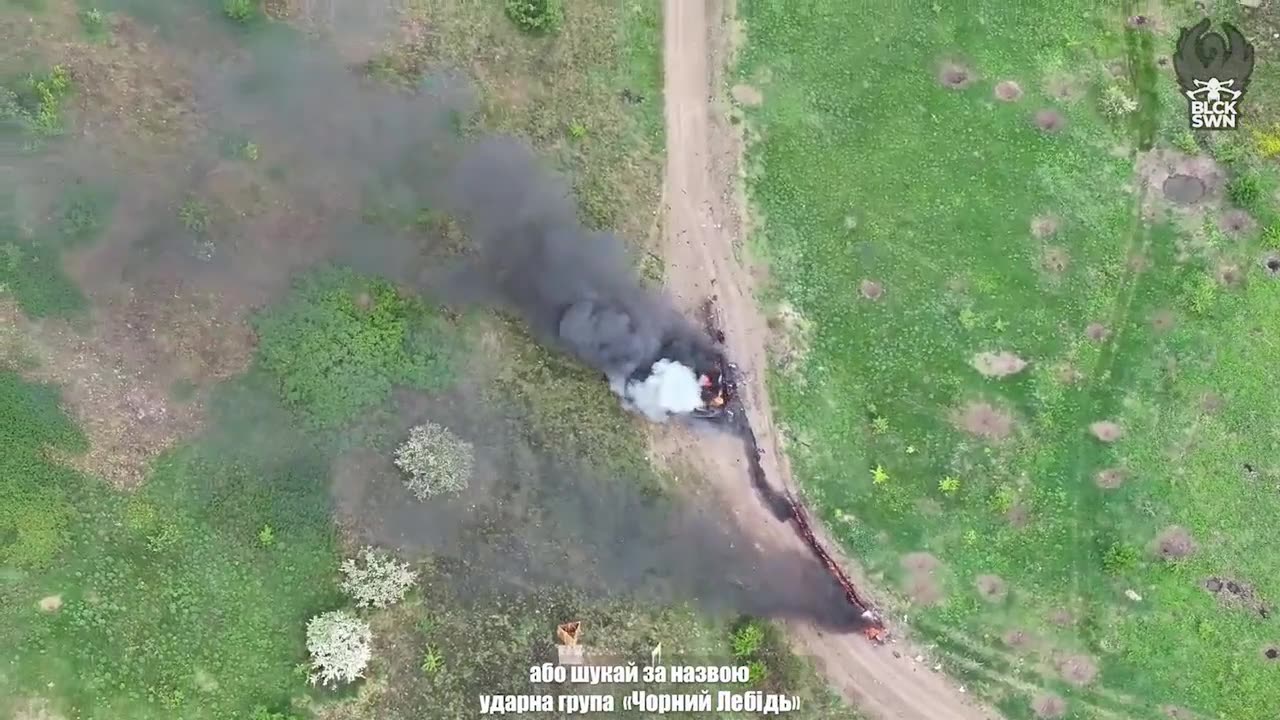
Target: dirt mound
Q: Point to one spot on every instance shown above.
(50, 604)
(1174, 543)
(956, 76)
(998, 365)
(985, 420)
(1110, 479)
(1229, 275)
(1055, 260)
(1008, 91)
(1050, 121)
(1049, 706)
(1106, 431)
(1096, 332)
(1235, 594)
(992, 588)
(1237, 222)
(1079, 670)
(871, 290)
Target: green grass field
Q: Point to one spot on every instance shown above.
(188, 595)
(914, 220)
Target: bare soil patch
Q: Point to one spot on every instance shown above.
(1019, 516)
(871, 289)
(1044, 226)
(1064, 88)
(1111, 478)
(1008, 91)
(1068, 374)
(1229, 275)
(1049, 120)
(1271, 264)
(1270, 652)
(992, 588)
(1106, 431)
(1079, 670)
(747, 95)
(1174, 182)
(998, 364)
(1019, 640)
(1174, 543)
(955, 75)
(1163, 320)
(985, 420)
(1237, 223)
(1055, 260)
(50, 603)
(1049, 706)
(921, 582)
(789, 338)
(1235, 594)
(1097, 332)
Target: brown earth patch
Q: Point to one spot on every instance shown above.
(992, 588)
(871, 289)
(955, 76)
(1049, 706)
(1018, 639)
(1163, 320)
(1062, 617)
(1237, 223)
(1049, 120)
(1096, 332)
(747, 95)
(1230, 275)
(985, 420)
(998, 365)
(1174, 543)
(1236, 594)
(1110, 479)
(1019, 516)
(1055, 260)
(789, 338)
(1188, 185)
(921, 582)
(1064, 88)
(50, 603)
(1106, 431)
(1008, 91)
(1079, 670)
(1044, 226)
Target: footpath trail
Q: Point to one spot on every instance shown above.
(702, 246)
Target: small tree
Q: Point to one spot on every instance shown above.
(435, 460)
(378, 581)
(339, 645)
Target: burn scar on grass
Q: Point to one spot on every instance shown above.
(1008, 91)
(1049, 706)
(955, 76)
(1079, 670)
(985, 420)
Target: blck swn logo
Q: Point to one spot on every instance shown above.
(1213, 72)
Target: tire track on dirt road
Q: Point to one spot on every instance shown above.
(703, 239)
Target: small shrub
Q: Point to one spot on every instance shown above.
(880, 425)
(949, 486)
(432, 662)
(92, 21)
(1271, 237)
(194, 216)
(1245, 190)
(879, 476)
(48, 92)
(435, 460)
(241, 11)
(536, 16)
(339, 643)
(758, 672)
(1185, 141)
(1119, 559)
(577, 130)
(378, 581)
(266, 536)
(1116, 103)
(746, 640)
(1267, 141)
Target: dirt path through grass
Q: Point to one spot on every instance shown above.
(704, 234)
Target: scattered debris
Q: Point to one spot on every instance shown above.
(1174, 543)
(1232, 593)
(1133, 595)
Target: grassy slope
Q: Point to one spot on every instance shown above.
(868, 168)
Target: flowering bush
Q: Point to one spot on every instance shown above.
(378, 581)
(339, 645)
(435, 460)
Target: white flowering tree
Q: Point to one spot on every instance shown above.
(339, 643)
(435, 461)
(376, 579)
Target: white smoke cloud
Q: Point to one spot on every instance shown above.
(670, 389)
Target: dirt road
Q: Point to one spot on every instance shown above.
(704, 234)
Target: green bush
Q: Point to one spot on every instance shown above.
(241, 11)
(1246, 191)
(536, 16)
(1119, 559)
(746, 640)
(341, 343)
